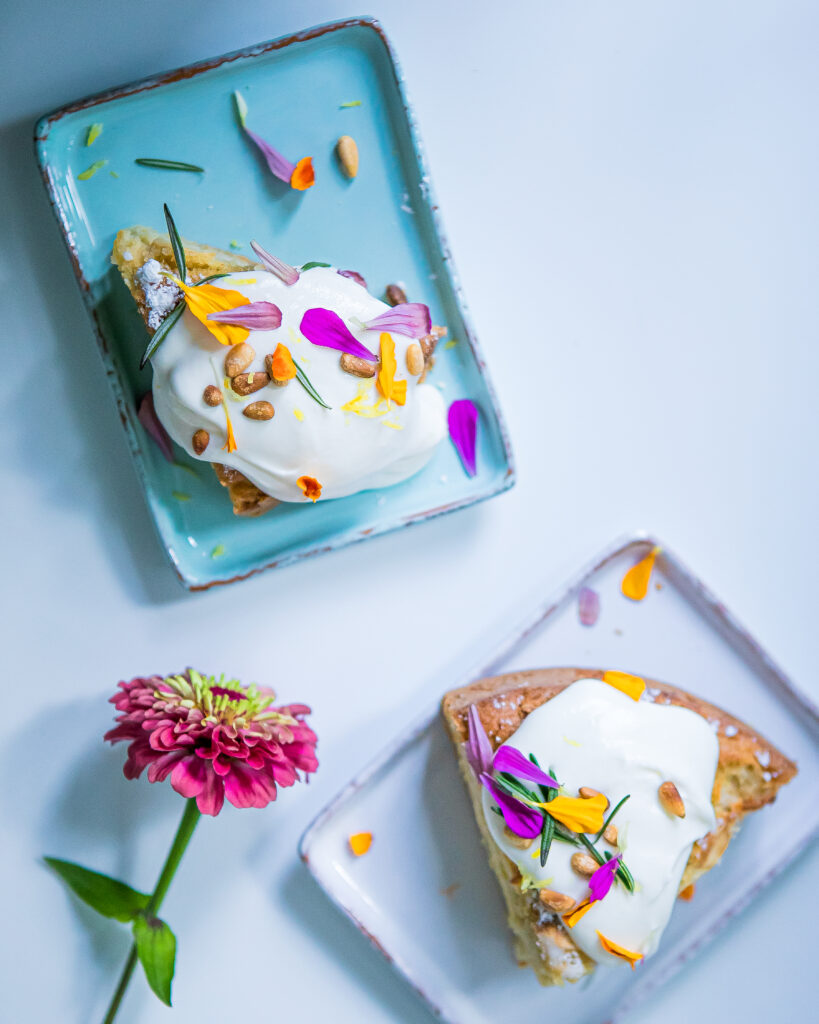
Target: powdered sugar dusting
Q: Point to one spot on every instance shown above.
(161, 294)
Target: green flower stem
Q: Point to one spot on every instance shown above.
(189, 821)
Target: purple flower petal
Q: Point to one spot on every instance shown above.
(354, 276)
(326, 328)
(147, 416)
(411, 319)
(522, 820)
(603, 878)
(588, 606)
(256, 316)
(510, 759)
(276, 266)
(279, 166)
(478, 749)
(463, 429)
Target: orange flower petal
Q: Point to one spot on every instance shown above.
(303, 176)
(574, 915)
(687, 893)
(578, 814)
(204, 299)
(230, 444)
(281, 364)
(632, 686)
(310, 487)
(360, 843)
(390, 388)
(621, 951)
(635, 582)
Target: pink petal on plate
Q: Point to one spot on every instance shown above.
(354, 276)
(280, 167)
(256, 316)
(146, 414)
(411, 319)
(326, 328)
(276, 266)
(463, 429)
(588, 606)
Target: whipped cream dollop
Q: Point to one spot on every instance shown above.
(345, 450)
(594, 735)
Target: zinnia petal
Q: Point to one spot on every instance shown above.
(509, 759)
(573, 916)
(282, 366)
(280, 167)
(303, 176)
(578, 814)
(632, 686)
(276, 266)
(619, 951)
(603, 878)
(256, 316)
(463, 429)
(635, 582)
(212, 797)
(310, 487)
(393, 390)
(188, 776)
(354, 276)
(588, 606)
(325, 328)
(477, 748)
(522, 820)
(411, 319)
(207, 298)
(150, 421)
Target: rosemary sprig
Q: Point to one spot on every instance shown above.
(622, 871)
(301, 377)
(546, 837)
(168, 165)
(607, 822)
(160, 333)
(176, 244)
(313, 263)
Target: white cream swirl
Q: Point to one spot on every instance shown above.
(593, 735)
(344, 451)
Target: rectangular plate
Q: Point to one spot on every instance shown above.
(444, 926)
(385, 224)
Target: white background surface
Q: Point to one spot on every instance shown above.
(630, 193)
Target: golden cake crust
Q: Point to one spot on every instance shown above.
(750, 772)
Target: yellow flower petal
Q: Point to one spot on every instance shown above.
(204, 299)
(621, 951)
(632, 686)
(635, 582)
(360, 843)
(578, 814)
(392, 389)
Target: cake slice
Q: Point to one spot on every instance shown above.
(723, 770)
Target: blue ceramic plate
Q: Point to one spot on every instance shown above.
(384, 224)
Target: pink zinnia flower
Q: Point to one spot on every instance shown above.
(215, 738)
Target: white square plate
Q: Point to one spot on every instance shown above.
(424, 894)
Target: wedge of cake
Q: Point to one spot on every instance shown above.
(295, 383)
(601, 797)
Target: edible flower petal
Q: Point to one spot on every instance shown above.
(463, 429)
(282, 366)
(276, 266)
(620, 951)
(256, 316)
(411, 319)
(573, 916)
(390, 388)
(635, 582)
(360, 843)
(230, 441)
(632, 686)
(603, 878)
(509, 759)
(325, 328)
(299, 176)
(522, 820)
(578, 814)
(310, 487)
(354, 276)
(147, 416)
(477, 749)
(204, 299)
(588, 606)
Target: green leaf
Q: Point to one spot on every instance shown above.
(156, 949)
(94, 132)
(241, 107)
(160, 333)
(309, 266)
(176, 244)
(302, 378)
(168, 165)
(106, 895)
(89, 172)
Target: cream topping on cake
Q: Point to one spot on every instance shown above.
(345, 450)
(593, 735)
